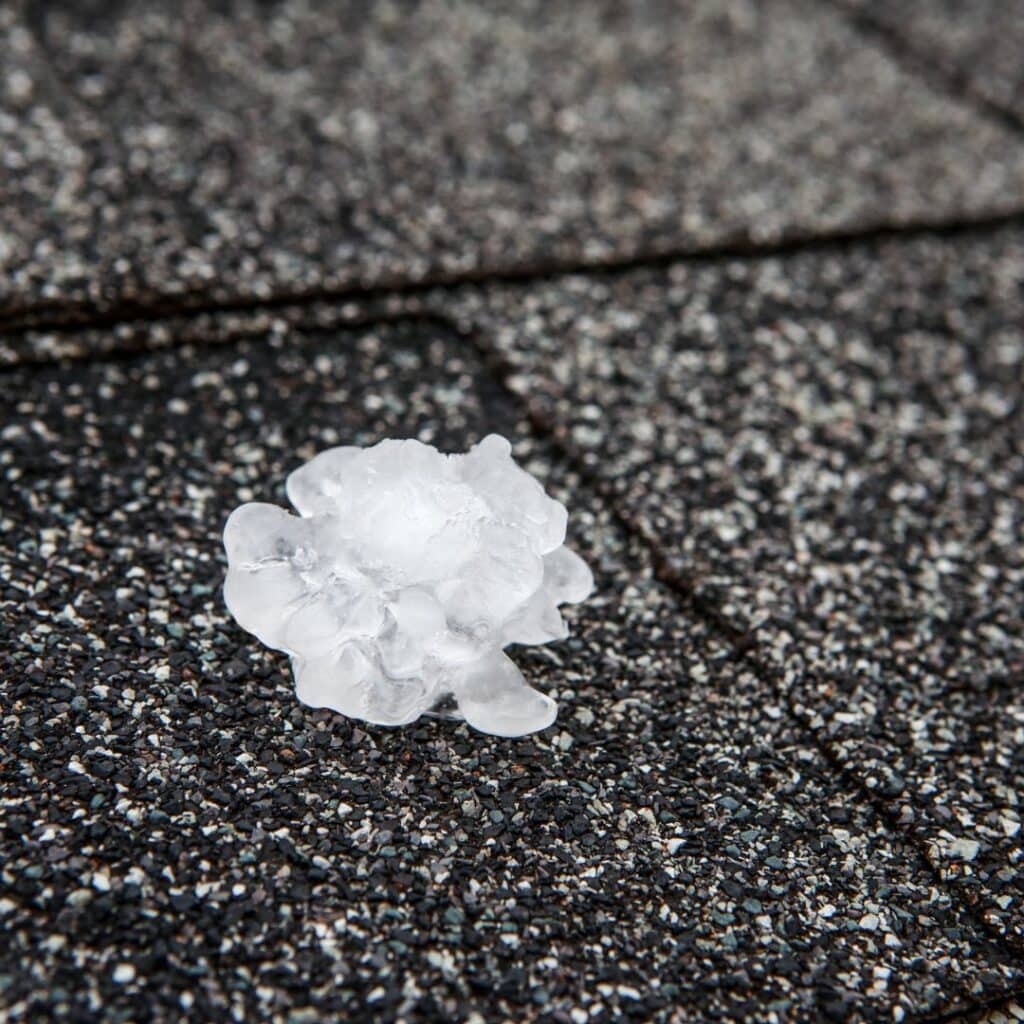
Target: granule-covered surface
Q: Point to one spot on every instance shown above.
(829, 450)
(179, 831)
(246, 149)
(975, 46)
(743, 284)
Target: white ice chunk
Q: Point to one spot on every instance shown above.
(405, 574)
(259, 598)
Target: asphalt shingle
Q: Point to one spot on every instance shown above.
(785, 782)
(247, 149)
(827, 450)
(180, 836)
(977, 45)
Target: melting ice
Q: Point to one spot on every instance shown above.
(403, 577)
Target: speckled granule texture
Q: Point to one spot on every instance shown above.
(785, 780)
(978, 42)
(180, 836)
(244, 149)
(829, 450)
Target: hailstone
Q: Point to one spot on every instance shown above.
(402, 579)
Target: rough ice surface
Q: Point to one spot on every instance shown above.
(403, 577)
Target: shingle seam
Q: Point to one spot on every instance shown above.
(935, 71)
(368, 320)
(18, 320)
(743, 643)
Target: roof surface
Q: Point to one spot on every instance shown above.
(744, 285)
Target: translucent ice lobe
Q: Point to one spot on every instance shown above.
(567, 578)
(264, 546)
(320, 484)
(260, 598)
(504, 576)
(257, 532)
(333, 615)
(397, 701)
(494, 697)
(337, 680)
(405, 575)
(513, 495)
(418, 615)
(536, 622)
(350, 682)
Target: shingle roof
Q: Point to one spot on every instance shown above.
(744, 284)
